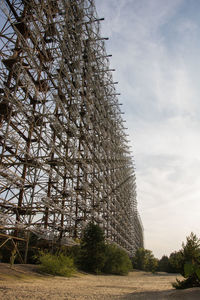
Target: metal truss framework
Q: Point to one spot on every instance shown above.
(64, 154)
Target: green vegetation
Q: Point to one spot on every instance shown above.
(163, 264)
(190, 263)
(56, 264)
(186, 261)
(117, 261)
(92, 254)
(96, 256)
(73, 252)
(171, 264)
(144, 260)
(176, 262)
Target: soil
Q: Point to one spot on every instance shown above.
(24, 282)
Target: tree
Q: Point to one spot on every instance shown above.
(152, 262)
(176, 263)
(191, 250)
(163, 264)
(144, 260)
(139, 259)
(190, 263)
(92, 253)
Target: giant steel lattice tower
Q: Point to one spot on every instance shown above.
(64, 154)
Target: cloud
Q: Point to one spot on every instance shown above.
(155, 46)
(168, 200)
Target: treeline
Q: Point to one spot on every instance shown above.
(144, 260)
(186, 261)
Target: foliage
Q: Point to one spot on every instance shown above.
(163, 264)
(117, 261)
(56, 264)
(171, 264)
(189, 282)
(5, 251)
(92, 253)
(71, 251)
(191, 250)
(192, 268)
(32, 248)
(191, 263)
(139, 260)
(152, 264)
(96, 256)
(176, 262)
(145, 260)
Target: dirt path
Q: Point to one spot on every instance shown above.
(24, 283)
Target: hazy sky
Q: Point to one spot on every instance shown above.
(156, 53)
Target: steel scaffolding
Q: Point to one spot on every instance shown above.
(64, 154)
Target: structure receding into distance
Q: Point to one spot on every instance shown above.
(64, 154)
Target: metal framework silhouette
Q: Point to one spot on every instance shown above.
(64, 154)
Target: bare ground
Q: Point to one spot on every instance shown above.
(25, 283)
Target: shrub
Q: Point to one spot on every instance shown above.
(73, 252)
(57, 264)
(117, 261)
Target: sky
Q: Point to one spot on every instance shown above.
(155, 47)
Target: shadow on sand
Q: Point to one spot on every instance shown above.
(188, 294)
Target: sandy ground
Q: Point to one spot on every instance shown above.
(25, 283)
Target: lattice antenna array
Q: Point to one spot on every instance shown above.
(64, 157)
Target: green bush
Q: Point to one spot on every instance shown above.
(73, 252)
(117, 261)
(57, 264)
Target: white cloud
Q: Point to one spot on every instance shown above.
(155, 46)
